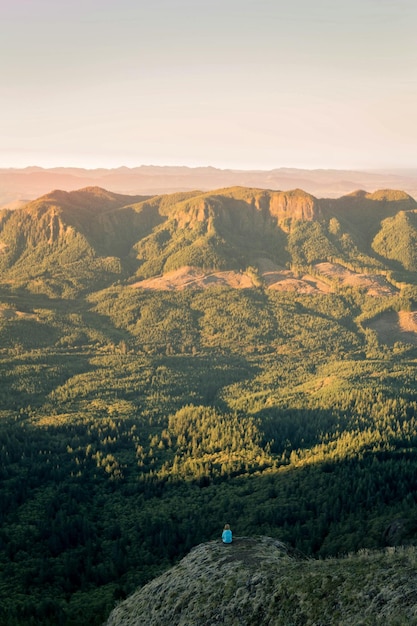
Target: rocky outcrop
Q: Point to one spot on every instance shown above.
(297, 205)
(259, 582)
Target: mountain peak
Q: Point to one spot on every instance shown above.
(358, 193)
(88, 197)
(382, 195)
(391, 195)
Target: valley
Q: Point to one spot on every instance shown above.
(171, 362)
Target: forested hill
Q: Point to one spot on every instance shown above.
(145, 399)
(68, 242)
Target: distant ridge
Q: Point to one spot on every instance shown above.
(32, 182)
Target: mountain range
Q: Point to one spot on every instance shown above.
(69, 242)
(21, 185)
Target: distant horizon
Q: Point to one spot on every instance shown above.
(33, 181)
(375, 169)
(230, 84)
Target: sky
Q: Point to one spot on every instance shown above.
(241, 84)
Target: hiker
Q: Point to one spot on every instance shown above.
(227, 534)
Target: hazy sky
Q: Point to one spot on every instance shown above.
(229, 83)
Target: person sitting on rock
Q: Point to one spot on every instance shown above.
(227, 534)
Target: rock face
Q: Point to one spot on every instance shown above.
(295, 204)
(258, 582)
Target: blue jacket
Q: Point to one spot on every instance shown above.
(227, 536)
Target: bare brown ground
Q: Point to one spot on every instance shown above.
(285, 280)
(194, 278)
(373, 284)
(274, 277)
(392, 327)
